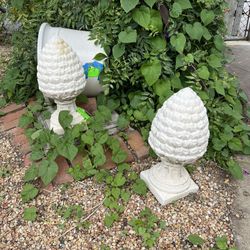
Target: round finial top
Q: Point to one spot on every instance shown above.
(179, 131)
(59, 71)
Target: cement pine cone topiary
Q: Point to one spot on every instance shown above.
(179, 135)
(60, 77)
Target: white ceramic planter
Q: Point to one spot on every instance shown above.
(179, 135)
(80, 43)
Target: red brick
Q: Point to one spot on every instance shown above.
(12, 107)
(62, 176)
(10, 125)
(90, 106)
(109, 163)
(79, 158)
(17, 131)
(26, 160)
(20, 140)
(13, 116)
(136, 142)
(25, 148)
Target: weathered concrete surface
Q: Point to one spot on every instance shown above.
(240, 66)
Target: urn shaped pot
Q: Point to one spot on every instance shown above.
(60, 77)
(179, 136)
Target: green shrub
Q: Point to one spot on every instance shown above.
(149, 57)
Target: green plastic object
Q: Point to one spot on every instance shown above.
(83, 113)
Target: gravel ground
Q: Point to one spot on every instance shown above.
(206, 213)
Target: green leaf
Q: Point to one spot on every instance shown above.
(119, 180)
(150, 3)
(195, 239)
(219, 88)
(207, 16)
(88, 137)
(139, 187)
(178, 42)
(218, 144)
(206, 34)
(67, 150)
(116, 192)
(30, 214)
(29, 192)
(128, 36)
(48, 171)
(203, 72)
(110, 219)
(219, 42)
(176, 10)
(18, 4)
(221, 243)
(100, 57)
(235, 144)
(125, 195)
(235, 169)
(119, 156)
(214, 61)
(25, 120)
(31, 173)
(195, 31)
(185, 4)
(163, 88)
(65, 119)
(118, 50)
(2, 113)
(156, 24)
(158, 43)
(129, 5)
(151, 71)
(122, 122)
(142, 16)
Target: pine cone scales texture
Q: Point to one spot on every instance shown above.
(179, 132)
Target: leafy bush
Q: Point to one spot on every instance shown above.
(149, 56)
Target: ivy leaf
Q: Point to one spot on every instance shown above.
(30, 214)
(29, 192)
(18, 4)
(25, 120)
(235, 169)
(67, 150)
(176, 10)
(221, 242)
(65, 119)
(219, 42)
(156, 24)
(119, 180)
(48, 171)
(194, 31)
(150, 3)
(151, 71)
(203, 72)
(195, 239)
(31, 173)
(163, 88)
(129, 5)
(88, 137)
(100, 56)
(214, 61)
(118, 50)
(178, 42)
(122, 122)
(219, 88)
(142, 16)
(140, 187)
(235, 144)
(158, 43)
(119, 156)
(207, 16)
(206, 34)
(128, 36)
(185, 4)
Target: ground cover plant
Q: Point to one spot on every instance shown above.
(153, 49)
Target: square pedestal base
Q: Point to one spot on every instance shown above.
(164, 197)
